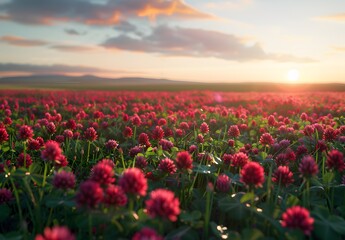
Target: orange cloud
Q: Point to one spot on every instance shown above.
(72, 48)
(340, 17)
(94, 13)
(339, 49)
(173, 7)
(104, 20)
(23, 42)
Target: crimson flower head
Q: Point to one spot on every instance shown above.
(223, 183)
(90, 194)
(71, 124)
(335, 160)
(167, 165)
(90, 134)
(147, 233)
(166, 144)
(140, 162)
(102, 173)
(283, 176)
(136, 121)
(252, 174)
(56, 233)
(239, 159)
(5, 195)
(34, 144)
(163, 203)
(133, 182)
(64, 180)
(25, 132)
(330, 134)
(200, 138)
(282, 159)
(61, 161)
(108, 162)
(3, 135)
(234, 131)
(20, 160)
(298, 218)
(143, 139)
(114, 196)
(308, 167)
(309, 130)
(266, 139)
(227, 159)
(192, 148)
(52, 151)
(204, 128)
(271, 120)
(162, 122)
(158, 133)
(184, 160)
(68, 133)
(111, 144)
(51, 129)
(128, 132)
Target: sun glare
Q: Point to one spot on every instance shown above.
(293, 75)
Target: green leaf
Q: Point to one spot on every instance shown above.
(292, 201)
(52, 203)
(233, 207)
(5, 148)
(328, 178)
(337, 224)
(263, 155)
(328, 226)
(250, 196)
(220, 231)
(37, 178)
(324, 231)
(11, 236)
(252, 234)
(190, 217)
(35, 168)
(184, 232)
(204, 169)
(4, 212)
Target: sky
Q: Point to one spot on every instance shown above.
(195, 40)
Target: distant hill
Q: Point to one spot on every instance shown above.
(147, 84)
(86, 79)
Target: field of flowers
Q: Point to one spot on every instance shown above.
(171, 165)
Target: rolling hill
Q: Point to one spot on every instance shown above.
(138, 83)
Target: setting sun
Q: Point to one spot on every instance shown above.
(293, 75)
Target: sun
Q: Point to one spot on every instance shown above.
(293, 75)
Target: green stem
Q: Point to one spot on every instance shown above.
(88, 151)
(45, 174)
(131, 205)
(308, 192)
(90, 226)
(207, 212)
(24, 150)
(18, 203)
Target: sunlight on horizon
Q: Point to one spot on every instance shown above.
(293, 76)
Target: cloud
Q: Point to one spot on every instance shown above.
(340, 17)
(50, 12)
(23, 42)
(177, 41)
(50, 69)
(229, 5)
(338, 49)
(71, 31)
(72, 48)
